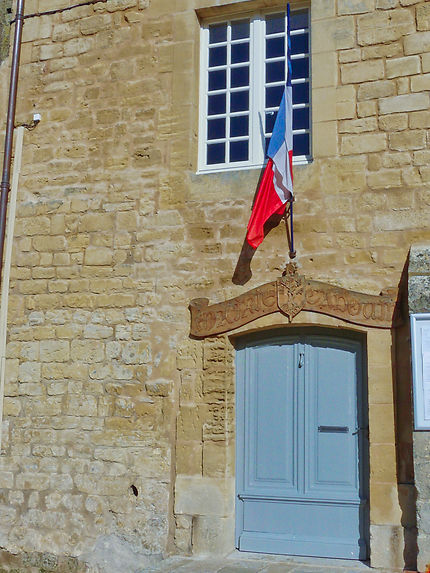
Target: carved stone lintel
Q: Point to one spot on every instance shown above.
(291, 294)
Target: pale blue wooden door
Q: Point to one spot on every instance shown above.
(300, 480)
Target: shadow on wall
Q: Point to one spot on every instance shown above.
(402, 391)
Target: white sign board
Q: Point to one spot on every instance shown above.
(420, 331)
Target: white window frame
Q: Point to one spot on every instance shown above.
(257, 93)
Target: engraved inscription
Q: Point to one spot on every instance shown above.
(291, 294)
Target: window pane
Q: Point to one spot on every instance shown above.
(270, 121)
(239, 101)
(300, 68)
(298, 20)
(240, 77)
(217, 33)
(301, 144)
(301, 93)
(301, 118)
(239, 126)
(216, 128)
(240, 53)
(274, 96)
(216, 104)
(275, 72)
(239, 151)
(300, 44)
(275, 24)
(217, 80)
(216, 153)
(275, 47)
(240, 29)
(217, 56)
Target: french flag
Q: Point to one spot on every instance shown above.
(276, 187)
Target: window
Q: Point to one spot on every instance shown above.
(243, 74)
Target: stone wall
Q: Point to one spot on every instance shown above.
(116, 233)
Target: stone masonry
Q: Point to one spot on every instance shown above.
(119, 429)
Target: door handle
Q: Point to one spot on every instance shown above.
(301, 359)
(333, 429)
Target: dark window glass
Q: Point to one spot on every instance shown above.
(301, 144)
(301, 118)
(275, 47)
(275, 72)
(238, 150)
(216, 104)
(240, 29)
(240, 53)
(217, 80)
(240, 77)
(300, 68)
(216, 153)
(217, 33)
(300, 44)
(239, 101)
(217, 56)
(270, 121)
(239, 126)
(216, 128)
(275, 24)
(301, 93)
(298, 20)
(274, 96)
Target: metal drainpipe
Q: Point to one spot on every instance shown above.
(10, 124)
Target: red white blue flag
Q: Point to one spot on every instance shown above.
(276, 187)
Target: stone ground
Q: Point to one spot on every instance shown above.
(256, 563)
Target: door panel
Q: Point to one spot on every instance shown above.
(298, 411)
(270, 462)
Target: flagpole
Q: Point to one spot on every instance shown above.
(292, 253)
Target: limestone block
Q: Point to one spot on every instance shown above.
(382, 462)
(189, 458)
(394, 122)
(375, 90)
(381, 423)
(325, 139)
(425, 58)
(87, 351)
(420, 83)
(406, 66)
(213, 535)
(384, 26)
(204, 496)
(366, 108)
(348, 56)
(358, 72)
(407, 140)
(322, 10)
(333, 34)
(358, 125)
(386, 546)
(423, 16)
(402, 103)
(419, 264)
(324, 70)
(384, 504)
(54, 351)
(417, 43)
(363, 143)
(355, 6)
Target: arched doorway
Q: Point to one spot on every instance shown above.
(302, 444)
